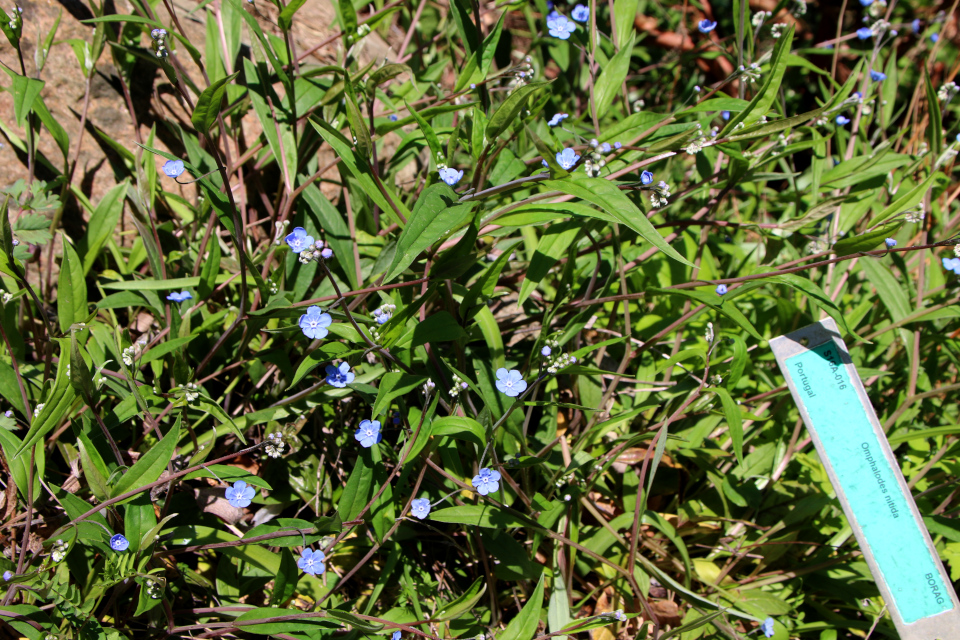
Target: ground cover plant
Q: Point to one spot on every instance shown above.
(470, 341)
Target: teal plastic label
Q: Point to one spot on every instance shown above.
(869, 483)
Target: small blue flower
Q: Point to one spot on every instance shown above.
(580, 13)
(952, 264)
(368, 434)
(721, 289)
(312, 562)
(857, 95)
(863, 3)
(396, 417)
(767, 625)
(934, 37)
(561, 27)
(646, 178)
(958, 137)
(546, 351)
(617, 145)
(339, 376)
(864, 32)
(450, 176)
(557, 119)
(393, 117)
(7, 575)
(706, 26)
(179, 297)
(299, 240)
(487, 481)
(173, 168)
(567, 158)
(396, 635)
(420, 508)
(119, 543)
(842, 120)
(915, 25)
(314, 323)
(877, 76)
(890, 242)
(605, 147)
(725, 115)
(553, 17)
(326, 253)
(510, 382)
(240, 495)
(382, 318)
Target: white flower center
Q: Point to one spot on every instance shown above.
(509, 383)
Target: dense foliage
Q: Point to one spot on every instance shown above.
(472, 342)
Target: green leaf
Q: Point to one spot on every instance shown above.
(296, 624)
(94, 468)
(71, 288)
(57, 404)
(506, 115)
(479, 515)
(611, 78)
(459, 427)
(353, 620)
(384, 74)
(436, 215)
(734, 421)
(359, 488)
(103, 223)
(208, 105)
(438, 327)
(229, 474)
(625, 13)
(553, 244)
(524, 625)
(436, 151)
(609, 198)
(348, 17)
(464, 604)
(25, 92)
(768, 92)
(285, 21)
(20, 466)
(150, 465)
(209, 271)
(80, 376)
(935, 127)
(867, 241)
(724, 305)
(394, 384)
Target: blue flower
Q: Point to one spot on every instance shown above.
(567, 158)
(392, 117)
(299, 240)
(173, 168)
(721, 289)
(863, 3)
(877, 76)
(646, 178)
(706, 26)
(952, 264)
(119, 543)
(326, 253)
(864, 32)
(890, 242)
(546, 351)
(368, 434)
(487, 481)
(339, 376)
(725, 115)
(561, 27)
(552, 17)
(179, 297)
(767, 625)
(916, 25)
(617, 145)
(312, 562)
(240, 494)
(605, 147)
(7, 575)
(314, 323)
(450, 176)
(934, 37)
(842, 120)
(396, 635)
(510, 382)
(557, 119)
(420, 508)
(580, 13)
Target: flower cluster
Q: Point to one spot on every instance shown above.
(522, 74)
(759, 18)
(132, 352)
(554, 362)
(59, 551)
(154, 591)
(275, 445)
(429, 386)
(159, 37)
(458, 386)
(191, 391)
(384, 313)
(5, 297)
(660, 194)
(777, 30)
(948, 91)
(16, 19)
(750, 74)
